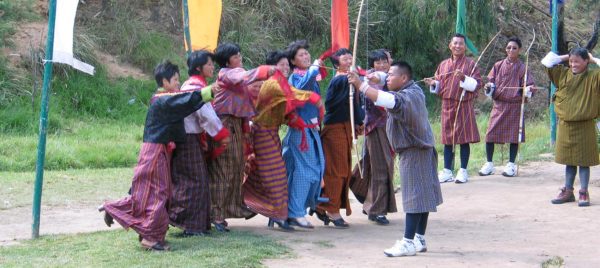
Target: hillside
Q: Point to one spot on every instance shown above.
(125, 39)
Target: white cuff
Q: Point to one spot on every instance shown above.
(363, 87)
(435, 89)
(551, 59)
(528, 92)
(470, 84)
(385, 100)
(490, 91)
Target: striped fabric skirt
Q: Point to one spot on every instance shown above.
(145, 210)
(337, 139)
(466, 126)
(576, 143)
(189, 208)
(226, 174)
(421, 190)
(266, 190)
(379, 169)
(504, 123)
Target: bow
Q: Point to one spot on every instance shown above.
(352, 89)
(522, 115)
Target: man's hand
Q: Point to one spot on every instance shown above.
(460, 75)
(429, 81)
(360, 130)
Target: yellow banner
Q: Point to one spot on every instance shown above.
(204, 18)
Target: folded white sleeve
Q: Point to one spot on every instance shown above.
(551, 59)
(490, 91)
(528, 92)
(435, 89)
(208, 120)
(470, 84)
(385, 100)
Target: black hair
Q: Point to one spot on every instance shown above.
(274, 57)
(224, 52)
(335, 59)
(581, 52)
(516, 40)
(375, 55)
(197, 59)
(403, 67)
(460, 36)
(293, 48)
(165, 70)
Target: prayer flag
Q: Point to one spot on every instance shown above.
(63, 36)
(340, 26)
(202, 19)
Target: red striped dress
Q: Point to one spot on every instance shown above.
(504, 120)
(465, 129)
(265, 190)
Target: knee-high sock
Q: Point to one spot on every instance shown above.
(584, 177)
(489, 151)
(570, 172)
(448, 157)
(512, 152)
(465, 152)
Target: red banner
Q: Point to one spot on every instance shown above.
(340, 25)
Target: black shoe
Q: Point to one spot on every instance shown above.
(220, 227)
(108, 219)
(340, 223)
(250, 216)
(323, 217)
(284, 225)
(381, 219)
(192, 233)
(295, 222)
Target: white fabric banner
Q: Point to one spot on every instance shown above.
(63, 36)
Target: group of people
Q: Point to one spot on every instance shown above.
(212, 152)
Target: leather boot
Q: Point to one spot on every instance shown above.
(565, 195)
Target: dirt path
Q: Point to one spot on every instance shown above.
(491, 221)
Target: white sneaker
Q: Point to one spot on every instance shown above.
(510, 170)
(462, 176)
(406, 247)
(487, 169)
(419, 241)
(445, 175)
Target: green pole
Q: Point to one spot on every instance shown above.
(39, 166)
(555, 21)
(186, 27)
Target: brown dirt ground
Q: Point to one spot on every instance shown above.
(491, 221)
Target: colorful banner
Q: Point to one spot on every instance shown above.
(201, 20)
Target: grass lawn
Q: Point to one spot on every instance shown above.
(121, 249)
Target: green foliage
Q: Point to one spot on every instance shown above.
(78, 96)
(121, 249)
(130, 39)
(419, 31)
